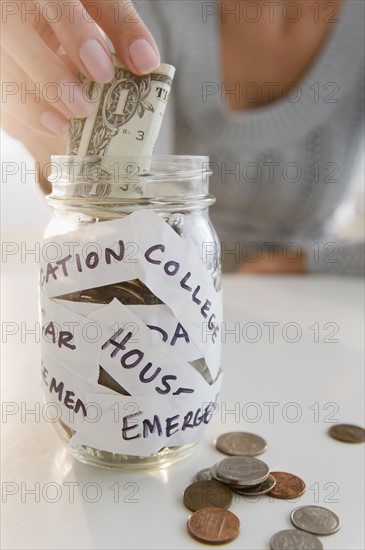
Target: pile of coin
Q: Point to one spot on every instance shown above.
(211, 494)
(212, 491)
(242, 472)
(246, 476)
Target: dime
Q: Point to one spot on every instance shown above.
(292, 539)
(242, 471)
(260, 489)
(203, 494)
(347, 433)
(316, 520)
(241, 444)
(213, 525)
(204, 475)
(287, 486)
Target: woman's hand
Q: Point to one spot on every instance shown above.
(44, 45)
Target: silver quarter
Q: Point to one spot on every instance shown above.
(242, 471)
(241, 444)
(316, 520)
(292, 539)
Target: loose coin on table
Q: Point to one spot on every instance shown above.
(287, 486)
(292, 539)
(316, 520)
(256, 490)
(241, 471)
(347, 433)
(203, 475)
(213, 525)
(241, 444)
(207, 493)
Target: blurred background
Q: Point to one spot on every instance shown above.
(25, 214)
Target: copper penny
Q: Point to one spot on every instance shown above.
(213, 525)
(287, 486)
(347, 433)
(206, 493)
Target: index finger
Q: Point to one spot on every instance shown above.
(133, 42)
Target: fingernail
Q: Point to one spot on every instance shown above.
(143, 56)
(54, 122)
(75, 99)
(96, 61)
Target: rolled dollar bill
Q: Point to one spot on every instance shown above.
(127, 116)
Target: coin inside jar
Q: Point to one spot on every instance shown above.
(207, 493)
(213, 525)
(315, 519)
(287, 486)
(241, 444)
(347, 433)
(292, 539)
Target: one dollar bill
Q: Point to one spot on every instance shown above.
(127, 116)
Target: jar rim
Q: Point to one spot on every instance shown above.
(165, 177)
(79, 168)
(115, 157)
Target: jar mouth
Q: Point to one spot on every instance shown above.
(112, 169)
(163, 177)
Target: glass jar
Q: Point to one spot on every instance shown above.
(110, 271)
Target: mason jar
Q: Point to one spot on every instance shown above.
(130, 299)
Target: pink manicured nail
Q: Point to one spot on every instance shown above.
(96, 61)
(75, 99)
(54, 122)
(144, 57)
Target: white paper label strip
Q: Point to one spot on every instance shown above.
(65, 394)
(136, 361)
(101, 417)
(71, 340)
(143, 425)
(144, 367)
(158, 318)
(96, 255)
(128, 425)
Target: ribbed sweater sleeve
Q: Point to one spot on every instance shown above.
(342, 258)
(310, 143)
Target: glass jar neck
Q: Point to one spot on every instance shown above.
(125, 183)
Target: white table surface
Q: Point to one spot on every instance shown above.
(317, 382)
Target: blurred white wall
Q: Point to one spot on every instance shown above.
(23, 208)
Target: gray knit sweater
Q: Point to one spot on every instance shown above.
(280, 170)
